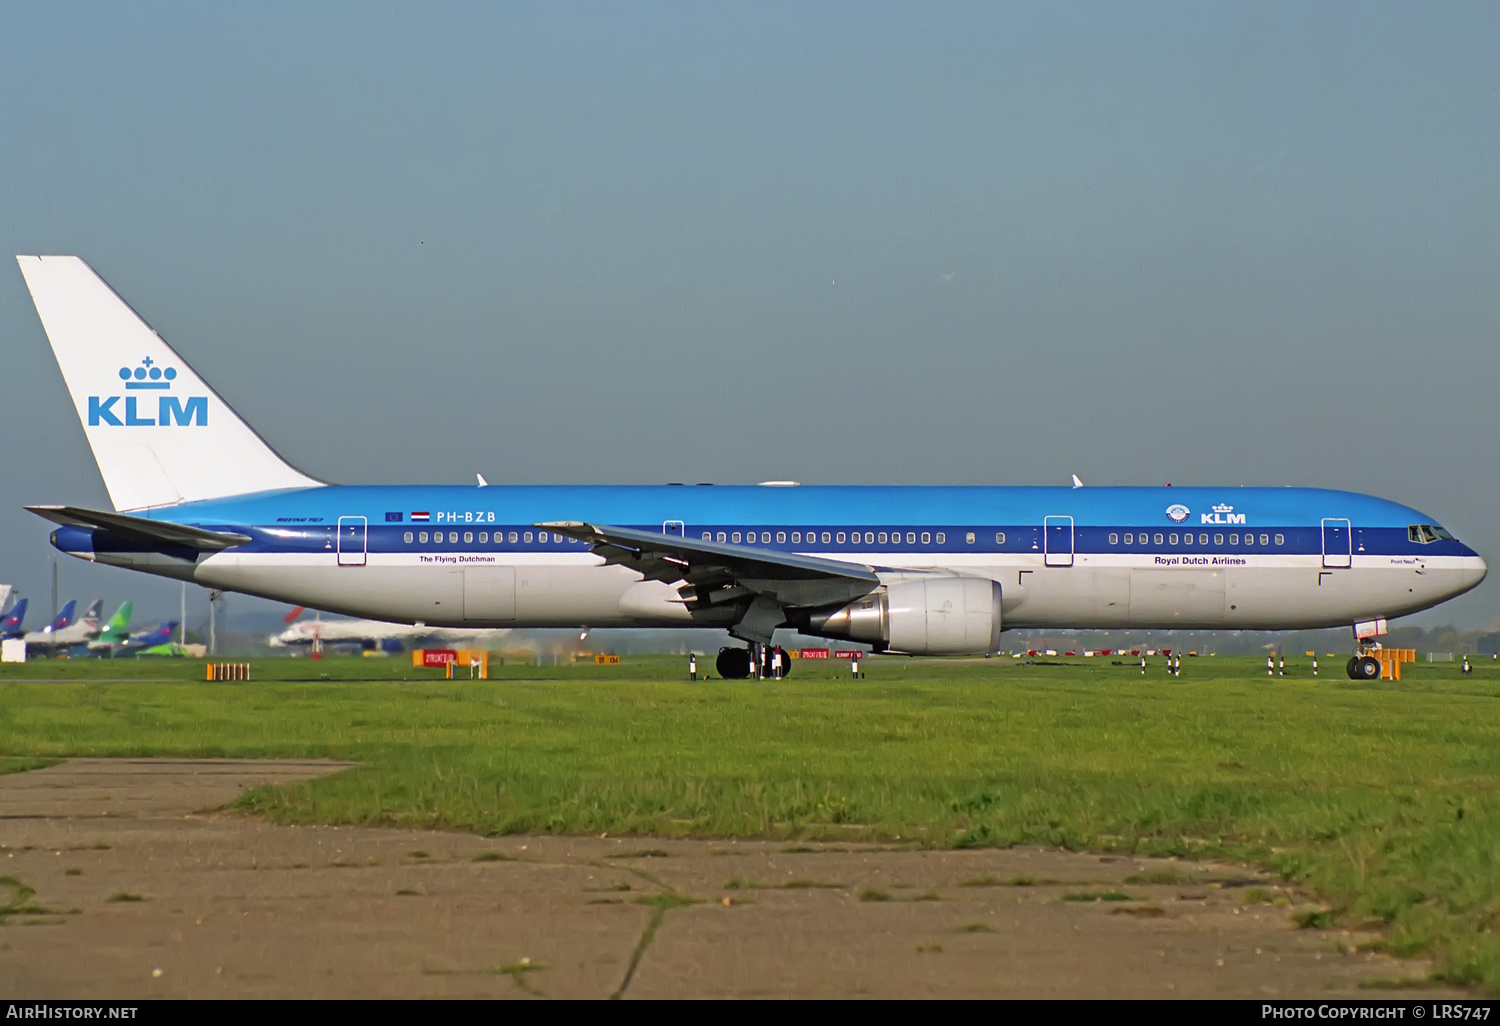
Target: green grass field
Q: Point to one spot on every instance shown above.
(1382, 799)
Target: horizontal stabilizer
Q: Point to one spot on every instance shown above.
(157, 531)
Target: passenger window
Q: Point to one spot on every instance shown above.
(968, 538)
(1203, 539)
(780, 537)
(926, 538)
(869, 537)
(1129, 539)
(468, 537)
(1172, 538)
(484, 537)
(1000, 538)
(1234, 539)
(1281, 539)
(407, 537)
(941, 538)
(512, 538)
(796, 537)
(542, 537)
(1218, 539)
(841, 537)
(722, 537)
(528, 537)
(1265, 539)
(735, 537)
(708, 536)
(911, 537)
(884, 537)
(765, 537)
(1249, 539)
(827, 537)
(422, 537)
(1114, 539)
(1158, 539)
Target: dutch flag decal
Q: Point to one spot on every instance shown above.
(420, 517)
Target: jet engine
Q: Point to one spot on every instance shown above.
(938, 615)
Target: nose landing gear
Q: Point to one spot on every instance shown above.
(1363, 667)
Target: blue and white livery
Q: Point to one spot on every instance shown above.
(199, 496)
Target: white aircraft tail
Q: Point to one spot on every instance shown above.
(160, 435)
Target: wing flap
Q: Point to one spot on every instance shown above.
(155, 531)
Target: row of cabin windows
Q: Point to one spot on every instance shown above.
(1187, 539)
(484, 538)
(830, 537)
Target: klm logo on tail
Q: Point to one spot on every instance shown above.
(169, 412)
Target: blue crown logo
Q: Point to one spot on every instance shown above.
(148, 375)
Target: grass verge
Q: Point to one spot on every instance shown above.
(1381, 799)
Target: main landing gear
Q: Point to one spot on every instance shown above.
(759, 661)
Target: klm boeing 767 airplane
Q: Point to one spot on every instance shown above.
(199, 496)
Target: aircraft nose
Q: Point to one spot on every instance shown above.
(1477, 570)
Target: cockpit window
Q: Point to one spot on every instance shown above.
(1424, 534)
(1442, 533)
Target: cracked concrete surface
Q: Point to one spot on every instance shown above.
(143, 888)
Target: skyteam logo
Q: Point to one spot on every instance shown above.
(1177, 513)
(1222, 514)
(169, 411)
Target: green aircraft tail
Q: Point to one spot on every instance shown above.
(117, 630)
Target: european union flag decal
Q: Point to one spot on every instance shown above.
(393, 518)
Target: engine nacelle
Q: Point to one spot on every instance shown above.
(939, 615)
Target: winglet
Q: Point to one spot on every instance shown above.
(482, 482)
(1077, 483)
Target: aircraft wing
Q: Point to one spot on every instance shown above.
(154, 531)
(713, 573)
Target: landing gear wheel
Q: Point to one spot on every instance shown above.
(733, 663)
(1349, 667)
(1366, 668)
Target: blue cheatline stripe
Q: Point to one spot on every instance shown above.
(803, 506)
(1017, 539)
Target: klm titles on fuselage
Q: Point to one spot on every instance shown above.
(1223, 515)
(170, 411)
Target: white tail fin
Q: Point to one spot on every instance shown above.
(160, 435)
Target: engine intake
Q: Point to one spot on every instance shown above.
(926, 616)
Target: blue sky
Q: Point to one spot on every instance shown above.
(925, 243)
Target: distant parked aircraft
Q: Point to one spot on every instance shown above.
(11, 624)
(64, 627)
(143, 641)
(370, 635)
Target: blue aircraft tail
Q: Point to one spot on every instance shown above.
(160, 636)
(65, 618)
(11, 625)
